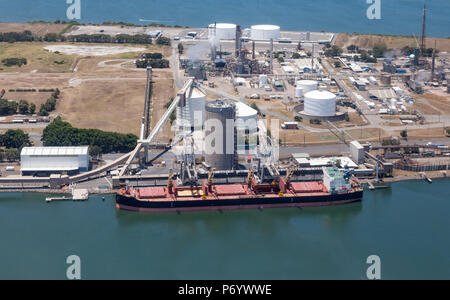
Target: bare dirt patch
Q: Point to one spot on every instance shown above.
(367, 41)
(107, 105)
(39, 29)
(89, 50)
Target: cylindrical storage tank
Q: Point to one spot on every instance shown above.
(386, 79)
(320, 104)
(222, 31)
(307, 85)
(220, 146)
(192, 116)
(265, 32)
(298, 92)
(244, 113)
(246, 126)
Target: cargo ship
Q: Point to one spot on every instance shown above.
(336, 187)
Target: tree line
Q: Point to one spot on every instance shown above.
(14, 61)
(61, 133)
(11, 107)
(27, 36)
(154, 60)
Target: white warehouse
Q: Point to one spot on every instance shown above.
(53, 160)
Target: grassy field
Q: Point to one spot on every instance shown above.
(37, 57)
(367, 41)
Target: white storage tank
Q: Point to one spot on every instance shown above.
(222, 31)
(298, 92)
(246, 126)
(244, 113)
(320, 104)
(193, 113)
(265, 32)
(307, 85)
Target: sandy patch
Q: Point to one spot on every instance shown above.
(92, 50)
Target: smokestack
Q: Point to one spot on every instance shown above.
(271, 56)
(238, 46)
(213, 42)
(312, 58)
(422, 44)
(433, 61)
(253, 50)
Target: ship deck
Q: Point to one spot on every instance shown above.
(220, 192)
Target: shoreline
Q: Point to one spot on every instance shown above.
(390, 180)
(71, 24)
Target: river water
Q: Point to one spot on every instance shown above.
(407, 226)
(398, 17)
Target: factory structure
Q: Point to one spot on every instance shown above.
(54, 160)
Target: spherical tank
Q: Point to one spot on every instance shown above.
(320, 104)
(265, 32)
(222, 31)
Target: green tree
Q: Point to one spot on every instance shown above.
(42, 111)
(180, 48)
(295, 55)
(23, 107)
(32, 108)
(379, 50)
(12, 154)
(337, 64)
(333, 51)
(404, 134)
(163, 41)
(15, 138)
(95, 151)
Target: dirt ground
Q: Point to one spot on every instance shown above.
(104, 92)
(442, 104)
(393, 42)
(425, 134)
(39, 29)
(37, 98)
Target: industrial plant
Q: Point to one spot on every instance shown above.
(247, 99)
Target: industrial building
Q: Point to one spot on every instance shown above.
(54, 160)
(357, 152)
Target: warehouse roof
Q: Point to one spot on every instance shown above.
(382, 94)
(55, 151)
